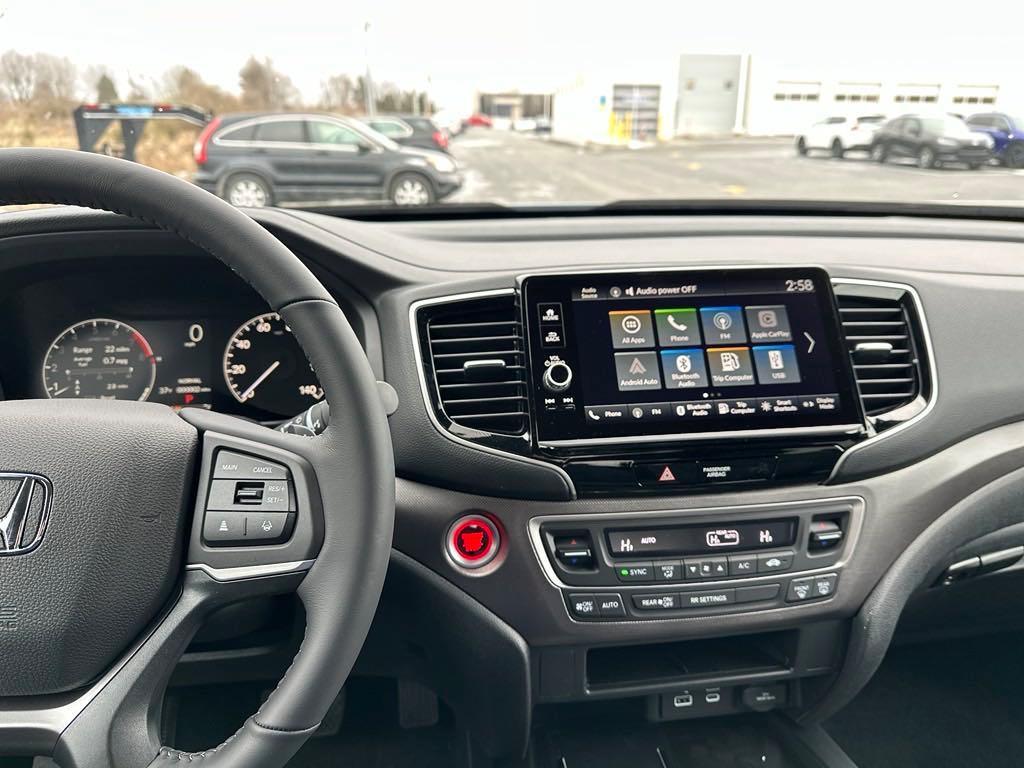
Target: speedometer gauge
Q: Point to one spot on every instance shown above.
(265, 366)
(99, 358)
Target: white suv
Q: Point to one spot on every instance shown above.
(839, 134)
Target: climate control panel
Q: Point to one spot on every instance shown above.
(669, 564)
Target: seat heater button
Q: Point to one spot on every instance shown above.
(224, 527)
(229, 465)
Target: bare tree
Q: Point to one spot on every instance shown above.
(55, 79)
(340, 93)
(185, 86)
(17, 77)
(263, 87)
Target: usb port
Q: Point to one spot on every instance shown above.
(682, 700)
(249, 493)
(712, 697)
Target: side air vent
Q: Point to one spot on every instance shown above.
(477, 361)
(883, 339)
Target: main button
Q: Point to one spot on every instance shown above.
(239, 466)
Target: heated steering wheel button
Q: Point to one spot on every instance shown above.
(266, 527)
(239, 466)
(224, 528)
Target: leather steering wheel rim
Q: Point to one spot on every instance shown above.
(352, 459)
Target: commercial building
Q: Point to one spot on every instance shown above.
(701, 95)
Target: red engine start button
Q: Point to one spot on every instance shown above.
(473, 541)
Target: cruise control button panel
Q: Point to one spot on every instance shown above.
(249, 502)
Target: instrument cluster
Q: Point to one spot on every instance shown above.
(184, 332)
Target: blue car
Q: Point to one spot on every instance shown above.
(1006, 131)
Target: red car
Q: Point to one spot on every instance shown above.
(481, 120)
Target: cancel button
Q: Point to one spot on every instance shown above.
(708, 599)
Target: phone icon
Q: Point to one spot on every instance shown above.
(682, 327)
(593, 415)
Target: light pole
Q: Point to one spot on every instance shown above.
(369, 92)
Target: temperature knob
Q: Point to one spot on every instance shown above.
(557, 377)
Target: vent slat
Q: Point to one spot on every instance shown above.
(894, 380)
(489, 399)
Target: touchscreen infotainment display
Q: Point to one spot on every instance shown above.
(688, 353)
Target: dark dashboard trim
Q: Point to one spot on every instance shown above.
(690, 207)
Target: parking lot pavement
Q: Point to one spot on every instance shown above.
(510, 168)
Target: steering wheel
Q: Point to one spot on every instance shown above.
(106, 569)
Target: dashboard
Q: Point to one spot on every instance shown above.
(634, 460)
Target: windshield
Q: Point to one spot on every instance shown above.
(531, 103)
(946, 126)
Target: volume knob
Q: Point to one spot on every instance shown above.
(557, 377)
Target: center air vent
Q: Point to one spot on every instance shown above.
(882, 337)
(477, 360)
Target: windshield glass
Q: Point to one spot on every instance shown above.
(946, 126)
(531, 103)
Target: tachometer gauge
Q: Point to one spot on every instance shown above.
(99, 358)
(265, 366)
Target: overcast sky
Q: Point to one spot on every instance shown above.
(465, 45)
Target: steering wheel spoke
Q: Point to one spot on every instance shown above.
(258, 509)
(115, 721)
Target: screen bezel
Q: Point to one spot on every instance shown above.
(849, 421)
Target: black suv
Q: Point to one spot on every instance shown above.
(410, 131)
(931, 140)
(254, 160)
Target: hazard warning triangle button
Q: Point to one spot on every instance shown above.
(664, 474)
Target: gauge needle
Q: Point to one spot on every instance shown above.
(260, 379)
(60, 392)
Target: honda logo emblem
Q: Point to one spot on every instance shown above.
(27, 499)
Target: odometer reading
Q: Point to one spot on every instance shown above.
(265, 366)
(99, 359)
